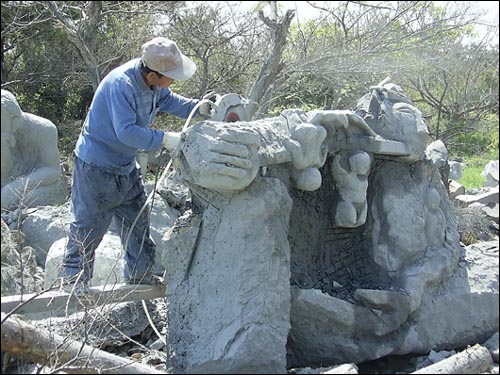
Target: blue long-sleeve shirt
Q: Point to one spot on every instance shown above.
(117, 124)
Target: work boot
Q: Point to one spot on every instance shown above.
(77, 288)
(148, 279)
(145, 280)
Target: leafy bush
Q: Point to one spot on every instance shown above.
(476, 138)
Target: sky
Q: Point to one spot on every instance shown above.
(305, 11)
(491, 17)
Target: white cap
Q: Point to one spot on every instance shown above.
(163, 56)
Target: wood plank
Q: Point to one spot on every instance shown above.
(61, 300)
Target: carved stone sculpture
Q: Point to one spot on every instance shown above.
(31, 173)
(352, 184)
(325, 240)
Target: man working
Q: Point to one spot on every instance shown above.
(106, 181)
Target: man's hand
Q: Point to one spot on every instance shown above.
(170, 140)
(219, 157)
(208, 102)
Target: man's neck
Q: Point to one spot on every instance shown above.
(145, 78)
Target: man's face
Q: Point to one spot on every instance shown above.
(164, 82)
(161, 81)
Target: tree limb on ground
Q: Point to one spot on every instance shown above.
(474, 360)
(38, 345)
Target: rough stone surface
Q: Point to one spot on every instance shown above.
(326, 329)
(464, 309)
(108, 264)
(315, 239)
(490, 172)
(230, 314)
(492, 345)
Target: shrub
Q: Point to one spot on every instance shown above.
(473, 225)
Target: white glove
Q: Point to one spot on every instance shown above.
(206, 107)
(170, 140)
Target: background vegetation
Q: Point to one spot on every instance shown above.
(54, 54)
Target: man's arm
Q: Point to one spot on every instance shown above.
(124, 117)
(176, 104)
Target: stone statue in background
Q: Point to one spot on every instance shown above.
(30, 169)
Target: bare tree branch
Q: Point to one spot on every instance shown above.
(38, 345)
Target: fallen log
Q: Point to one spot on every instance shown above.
(53, 300)
(38, 345)
(474, 360)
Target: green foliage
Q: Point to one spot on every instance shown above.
(477, 148)
(471, 174)
(46, 70)
(476, 138)
(68, 132)
(78, 99)
(35, 67)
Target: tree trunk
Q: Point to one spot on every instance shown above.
(273, 65)
(475, 360)
(38, 345)
(82, 36)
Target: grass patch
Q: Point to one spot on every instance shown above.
(472, 178)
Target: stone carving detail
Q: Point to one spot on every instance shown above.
(31, 173)
(351, 182)
(319, 237)
(226, 157)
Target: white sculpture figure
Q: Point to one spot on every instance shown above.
(222, 158)
(347, 122)
(308, 152)
(31, 174)
(352, 184)
(356, 294)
